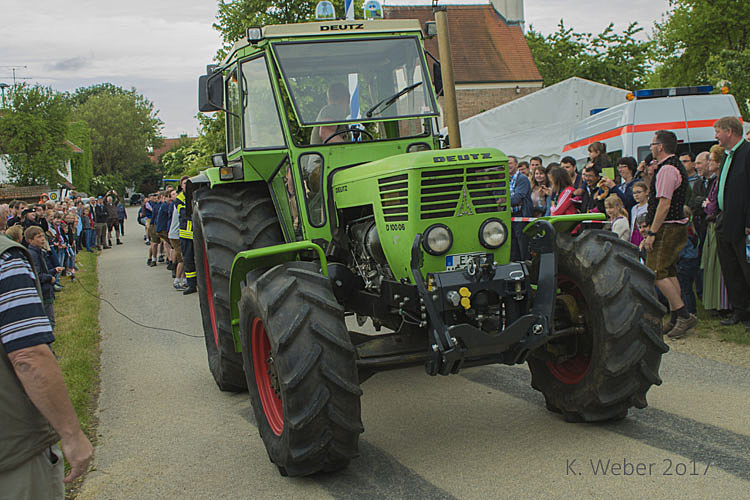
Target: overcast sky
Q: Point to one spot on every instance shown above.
(161, 46)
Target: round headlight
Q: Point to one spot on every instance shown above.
(492, 234)
(437, 239)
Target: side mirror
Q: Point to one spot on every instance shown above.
(437, 79)
(219, 160)
(211, 92)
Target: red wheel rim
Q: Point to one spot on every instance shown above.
(210, 296)
(263, 368)
(571, 371)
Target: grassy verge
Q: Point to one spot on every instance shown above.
(77, 343)
(709, 327)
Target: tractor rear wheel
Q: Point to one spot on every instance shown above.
(300, 368)
(605, 291)
(226, 220)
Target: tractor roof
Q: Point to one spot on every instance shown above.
(333, 28)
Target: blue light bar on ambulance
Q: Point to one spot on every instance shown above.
(673, 91)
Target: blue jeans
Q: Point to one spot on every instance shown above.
(88, 238)
(687, 273)
(60, 256)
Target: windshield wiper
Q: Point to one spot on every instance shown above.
(390, 100)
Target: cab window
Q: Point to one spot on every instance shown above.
(234, 125)
(261, 123)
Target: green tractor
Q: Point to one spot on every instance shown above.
(335, 199)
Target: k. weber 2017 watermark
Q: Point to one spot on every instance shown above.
(609, 467)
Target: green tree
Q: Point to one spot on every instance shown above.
(82, 94)
(191, 157)
(733, 66)
(703, 41)
(100, 184)
(235, 17)
(124, 125)
(32, 132)
(82, 165)
(617, 59)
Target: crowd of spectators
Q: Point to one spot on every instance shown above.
(168, 235)
(55, 231)
(688, 214)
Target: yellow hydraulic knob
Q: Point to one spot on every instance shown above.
(465, 294)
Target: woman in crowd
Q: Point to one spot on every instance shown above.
(560, 192)
(714, 291)
(640, 195)
(618, 216)
(539, 198)
(627, 167)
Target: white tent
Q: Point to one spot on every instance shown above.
(539, 124)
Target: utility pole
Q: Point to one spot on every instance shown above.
(446, 69)
(13, 70)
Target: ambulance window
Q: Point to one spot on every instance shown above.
(643, 152)
(615, 156)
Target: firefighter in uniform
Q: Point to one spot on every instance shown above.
(186, 241)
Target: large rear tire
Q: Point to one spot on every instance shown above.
(300, 368)
(609, 368)
(226, 220)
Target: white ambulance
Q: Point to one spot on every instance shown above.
(628, 128)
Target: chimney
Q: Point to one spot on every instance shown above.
(511, 10)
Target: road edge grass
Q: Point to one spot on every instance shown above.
(710, 327)
(77, 345)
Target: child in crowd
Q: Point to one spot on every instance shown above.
(642, 226)
(88, 233)
(69, 234)
(618, 216)
(15, 233)
(640, 193)
(57, 241)
(37, 240)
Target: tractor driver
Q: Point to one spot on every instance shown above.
(336, 109)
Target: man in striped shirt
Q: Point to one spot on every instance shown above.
(35, 409)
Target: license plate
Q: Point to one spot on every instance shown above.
(461, 260)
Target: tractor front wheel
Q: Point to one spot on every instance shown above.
(300, 368)
(226, 220)
(606, 293)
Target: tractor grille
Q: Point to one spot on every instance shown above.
(448, 191)
(394, 192)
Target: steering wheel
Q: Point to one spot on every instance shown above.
(353, 130)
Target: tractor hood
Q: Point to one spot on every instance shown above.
(409, 193)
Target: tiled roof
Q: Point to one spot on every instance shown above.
(484, 48)
(10, 192)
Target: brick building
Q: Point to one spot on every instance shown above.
(492, 63)
(168, 144)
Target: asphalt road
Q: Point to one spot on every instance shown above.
(166, 431)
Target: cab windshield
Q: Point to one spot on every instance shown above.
(356, 81)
